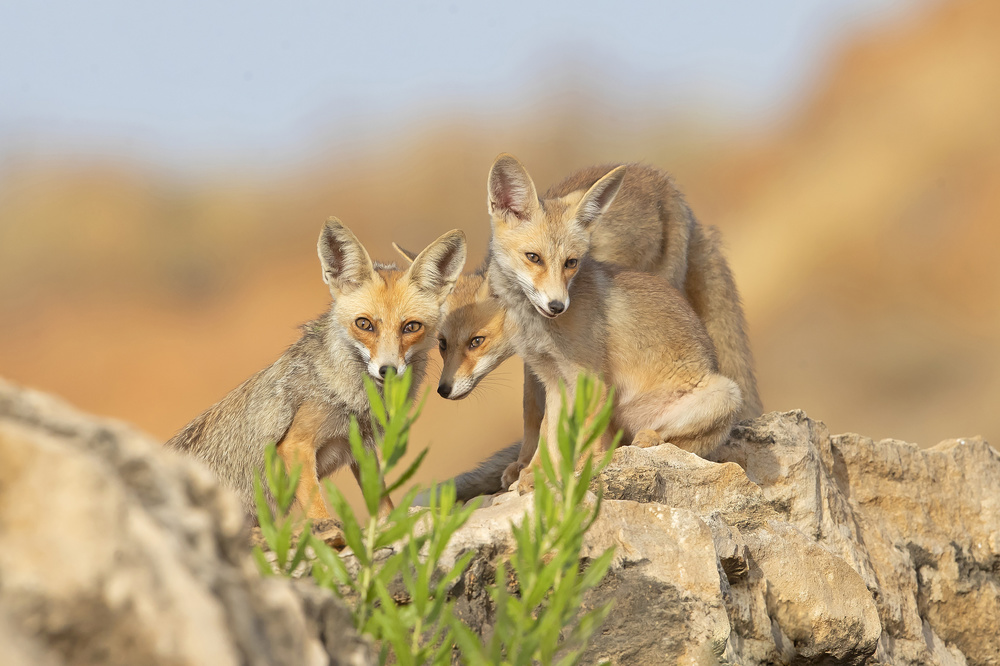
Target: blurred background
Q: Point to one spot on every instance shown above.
(165, 171)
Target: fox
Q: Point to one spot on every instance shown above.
(381, 319)
(648, 227)
(567, 313)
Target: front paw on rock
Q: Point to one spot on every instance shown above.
(511, 474)
(647, 438)
(526, 482)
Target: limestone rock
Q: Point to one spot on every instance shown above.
(791, 546)
(921, 527)
(819, 550)
(669, 605)
(114, 551)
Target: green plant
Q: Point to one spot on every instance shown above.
(277, 525)
(540, 623)
(403, 551)
(405, 546)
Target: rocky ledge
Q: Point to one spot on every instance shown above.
(791, 547)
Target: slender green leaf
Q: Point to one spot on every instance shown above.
(368, 472)
(262, 564)
(408, 473)
(351, 528)
(375, 401)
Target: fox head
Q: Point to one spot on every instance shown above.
(388, 315)
(541, 243)
(472, 335)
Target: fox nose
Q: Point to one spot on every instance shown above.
(444, 390)
(556, 307)
(384, 369)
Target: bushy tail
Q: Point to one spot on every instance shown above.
(701, 421)
(483, 480)
(711, 290)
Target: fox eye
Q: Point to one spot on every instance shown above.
(533, 258)
(571, 263)
(412, 327)
(442, 344)
(364, 324)
(476, 341)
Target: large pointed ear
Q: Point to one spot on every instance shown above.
(436, 269)
(406, 254)
(510, 194)
(346, 264)
(599, 197)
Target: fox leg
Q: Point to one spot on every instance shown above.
(550, 428)
(534, 411)
(298, 448)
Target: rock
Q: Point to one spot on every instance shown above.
(790, 547)
(669, 605)
(114, 551)
(921, 527)
(329, 530)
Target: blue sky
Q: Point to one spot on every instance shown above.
(215, 82)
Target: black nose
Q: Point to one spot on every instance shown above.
(444, 390)
(556, 307)
(384, 369)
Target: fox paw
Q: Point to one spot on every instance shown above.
(526, 482)
(511, 474)
(647, 438)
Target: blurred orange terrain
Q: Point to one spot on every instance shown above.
(862, 230)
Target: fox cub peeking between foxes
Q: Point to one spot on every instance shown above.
(381, 318)
(571, 313)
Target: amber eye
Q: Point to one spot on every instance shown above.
(412, 327)
(364, 324)
(533, 258)
(442, 344)
(476, 341)
(571, 263)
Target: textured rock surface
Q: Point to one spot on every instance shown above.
(792, 547)
(920, 526)
(113, 551)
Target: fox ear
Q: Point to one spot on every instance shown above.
(437, 268)
(406, 254)
(346, 264)
(599, 197)
(511, 196)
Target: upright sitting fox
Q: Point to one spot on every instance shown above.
(647, 227)
(571, 313)
(381, 318)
